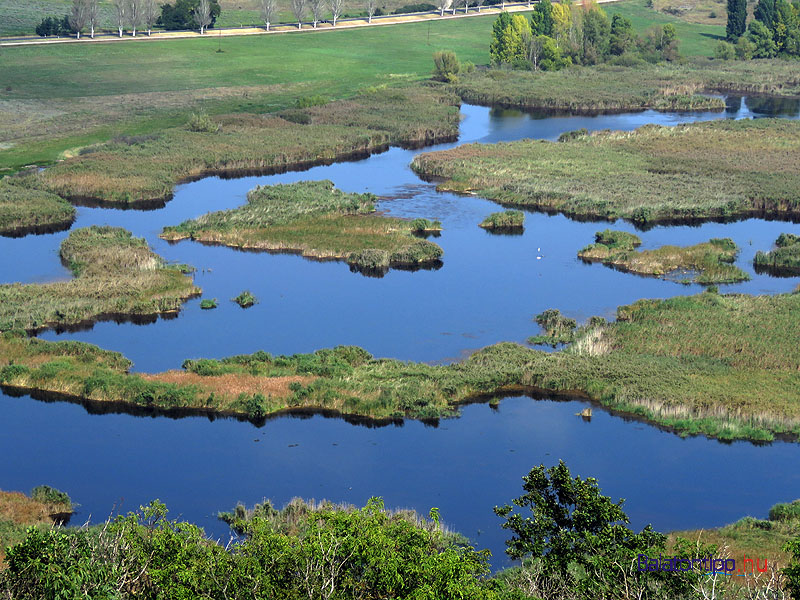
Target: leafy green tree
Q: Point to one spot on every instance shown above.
(761, 37)
(596, 32)
(724, 51)
(622, 35)
(765, 12)
(542, 21)
(497, 50)
(737, 19)
(181, 14)
(580, 536)
(744, 48)
(509, 45)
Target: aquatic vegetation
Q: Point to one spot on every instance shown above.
(558, 328)
(784, 259)
(667, 86)
(509, 219)
(246, 299)
(118, 173)
(24, 210)
(727, 366)
(706, 263)
(208, 303)
(655, 174)
(116, 274)
(319, 221)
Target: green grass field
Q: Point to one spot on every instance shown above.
(55, 99)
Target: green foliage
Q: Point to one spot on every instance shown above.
(596, 32)
(246, 299)
(509, 35)
(558, 328)
(507, 219)
(761, 38)
(53, 26)
(792, 572)
(208, 303)
(445, 66)
(50, 495)
(24, 210)
(785, 258)
(202, 123)
(180, 15)
(581, 537)
(724, 50)
(737, 19)
(423, 225)
(744, 48)
(413, 8)
(785, 511)
(303, 551)
(542, 19)
(622, 37)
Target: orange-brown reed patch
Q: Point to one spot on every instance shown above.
(233, 384)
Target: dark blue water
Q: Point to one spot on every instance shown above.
(486, 291)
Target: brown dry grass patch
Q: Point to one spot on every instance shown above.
(233, 384)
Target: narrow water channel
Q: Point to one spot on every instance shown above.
(487, 291)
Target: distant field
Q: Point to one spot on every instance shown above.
(18, 17)
(695, 39)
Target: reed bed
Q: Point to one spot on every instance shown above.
(712, 170)
(115, 275)
(783, 259)
(704, 263)
(143, 170)
(24, 210)
(723, 366)
(619, 88)
(317, 220)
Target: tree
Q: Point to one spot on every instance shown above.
(92, 15)
(181, 14)
(724, 50)
(79, 15)
(622, 36)
(737, 19)
(134, 15)
(744, 48)
(442, 5)
(269, 10)
(569, 526)
(596, 32)
(371, 6)
(761, 37)
(445, 66)
(337, 6)
(317, 6)
(120, 12)
(149, 14)
(202, 15)
(765, 12)
(299, 9)
(542, 18)
(562, 19)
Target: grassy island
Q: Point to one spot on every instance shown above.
(116, 274)
(143, 169)
(318, 221)
(24, 210)
(784, 259)
(605, 88)
(706, 263)
(726, 366)
(713, 170)
(509, 219)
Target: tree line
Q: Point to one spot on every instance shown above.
(557, 35)
(773, 31)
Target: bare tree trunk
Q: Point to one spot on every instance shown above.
(336, 9)
(202, 15)
(120, 8)
(92, 12)
(370, 10)
(149, 15)
(299, 9)
(269, 9)
(316, 10)
(134, 15)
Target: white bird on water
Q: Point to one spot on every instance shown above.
(538, 257)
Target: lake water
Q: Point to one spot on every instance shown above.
(487, 290)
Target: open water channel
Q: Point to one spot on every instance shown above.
(487, 290)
